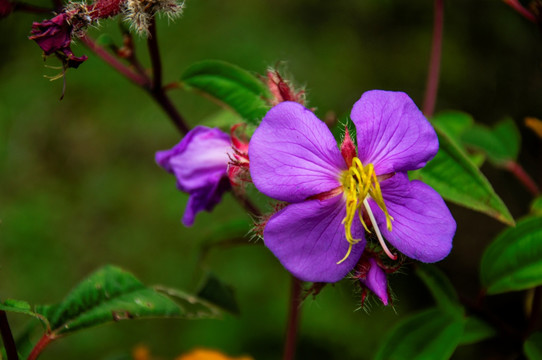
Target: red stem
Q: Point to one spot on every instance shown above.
(518, 171)
(515, 4)
(431, 87)
(136, 78)
(293, 320)
(42, 344)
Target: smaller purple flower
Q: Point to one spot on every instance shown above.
(54, 37)
(200, 164)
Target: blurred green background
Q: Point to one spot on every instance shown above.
(79, 187)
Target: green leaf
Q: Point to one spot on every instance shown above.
(536, 206)
(193, 307)
(453, 123)
(476, 330)
(458, 180)
(433, 334)
(224, 119)
(216, 292)
(501, 143)
(514, 260)
(21, 307)
(533, 346)
(230, 85)
(440, 287)
(110, 294)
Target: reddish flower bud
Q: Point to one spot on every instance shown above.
(282, 90)
(102, 9)
(238, 167)
(348, 149)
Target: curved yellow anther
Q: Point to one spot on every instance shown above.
(360, 182)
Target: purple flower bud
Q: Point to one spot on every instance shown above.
(200, 164)
(375, 280)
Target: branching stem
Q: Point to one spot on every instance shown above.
(42, 344)
(115, 63)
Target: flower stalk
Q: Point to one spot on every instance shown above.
(293, 320)
(433, 74)
(522, 176)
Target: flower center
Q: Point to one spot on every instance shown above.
(359, 183)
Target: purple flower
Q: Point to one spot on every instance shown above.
(54, 37)
(319, 236)
(200, 164)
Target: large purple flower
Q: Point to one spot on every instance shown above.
(319, 236)
(200, 164)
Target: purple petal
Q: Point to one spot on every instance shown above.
(200, 159)
(376, 281)
(199, 163)
(392, 133)
(204, 199)
(293, 155)
(423, 227)
(308, 238)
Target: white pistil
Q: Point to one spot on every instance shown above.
(377, 230)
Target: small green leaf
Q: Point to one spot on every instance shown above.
(476, 330)
(536, 206)
(110, 294)
(501, 143)
(223, 119)
(533, 346)
(21, 307)
(433, 334)
(514, 260)
(440, 287)
(458, 180)
(453, 123)
(218, 293)
(231, 85)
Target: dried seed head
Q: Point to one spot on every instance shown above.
(140, 12)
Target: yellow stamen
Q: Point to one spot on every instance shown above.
(360, 182)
